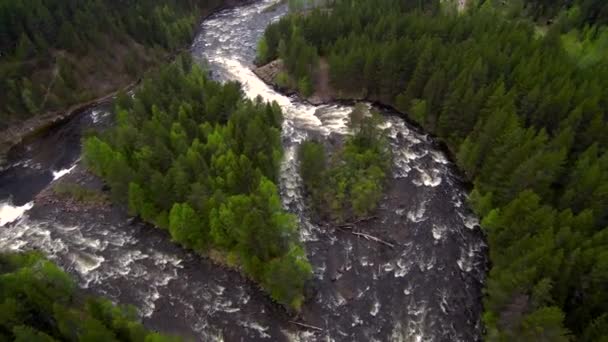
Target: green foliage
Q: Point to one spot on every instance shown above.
(419, 110)
(305, 86)
(282, 79)
(526, 117)
(79, 193)
(263, 54)
(588, 12)
(36, 36)
(352, 182)
(192, 156)
(39, 302)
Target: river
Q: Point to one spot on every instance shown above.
(427, 288)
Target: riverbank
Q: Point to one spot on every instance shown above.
(325, 94)
(424, 217)
(176, 291)
(20, 132)
(426, 287)
(34, 126)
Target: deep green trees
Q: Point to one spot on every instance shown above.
(39, 302)
(524, 111)
(102, 43)
(192, 156)
(350, 183)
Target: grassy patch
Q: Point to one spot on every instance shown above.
(80, 193)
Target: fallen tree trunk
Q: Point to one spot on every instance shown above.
(373, 238)
(307, 326)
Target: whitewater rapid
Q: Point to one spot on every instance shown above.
(428, 288)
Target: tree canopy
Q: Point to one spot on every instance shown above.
(525, 113)
(39, 302)
(193, 156)
(350, 183)
(55, 53)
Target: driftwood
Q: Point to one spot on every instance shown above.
(373, 238)
(307, 326)
(350, 225)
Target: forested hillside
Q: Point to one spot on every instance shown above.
(585, 11)
(193, 157)
(525, 112)
(39, 302)
(54, 53)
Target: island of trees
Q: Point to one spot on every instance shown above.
(523, 107)
(39, 302)
(55, 53)
(194, 157)
(349, 184)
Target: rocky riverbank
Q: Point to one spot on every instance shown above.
(20, 132)
(323, 91)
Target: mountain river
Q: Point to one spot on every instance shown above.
(427, 288)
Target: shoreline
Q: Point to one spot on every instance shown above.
(30, 128)
(261, 71)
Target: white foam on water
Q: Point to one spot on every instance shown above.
(10, 213)
(356, 320)
(412, 157)
(466, 262)
(417, 215)
(164, 260)
(97, 115)
(469, 221)
(443, 302)
(424, 262)
(261, 330)
(439, 157)
(375, 308)
(149, 302)
(403, 267)
(320, 270)
(438, 231)
(408, 289)
(388, 267)
(337, 300)
(61, 173)
(303, 336)
(430, 178)
(301, 115)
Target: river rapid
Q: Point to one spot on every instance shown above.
(427, 288)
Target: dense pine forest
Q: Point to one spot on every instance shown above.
(193, 157)
(521, 104)
(55, 53)
(40, 303)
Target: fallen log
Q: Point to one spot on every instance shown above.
(373, 238)
(350, 225)
(307, 326)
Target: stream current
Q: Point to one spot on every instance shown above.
(427, 288)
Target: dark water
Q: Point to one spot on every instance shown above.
(32, 166)
(426, 288)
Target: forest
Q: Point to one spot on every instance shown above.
(55, 53)
(192, 156)
(349, 184)
(587, 11)
(39, 302)
(521, 105)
